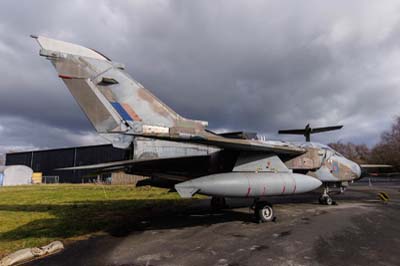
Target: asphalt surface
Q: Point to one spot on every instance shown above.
(360, 230)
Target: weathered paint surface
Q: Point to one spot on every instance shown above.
(108, 104)
(309, 160)
(146, 148)
(335, 168)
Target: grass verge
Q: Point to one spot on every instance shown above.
(36, 215)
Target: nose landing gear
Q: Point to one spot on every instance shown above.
(325, 199)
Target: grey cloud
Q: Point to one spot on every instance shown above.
(20, 134)
(260, 67)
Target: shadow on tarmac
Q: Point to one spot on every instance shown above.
(118, 218)
(122, 217)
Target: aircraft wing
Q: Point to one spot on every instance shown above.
(368, 170)
(375, 166)
(325, 129)
(131, 163)
(248, 145)
(151, 164)
(309, 129)
(292, 131)
(253, 145)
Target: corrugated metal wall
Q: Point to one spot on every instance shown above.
(121, 178)
(46, 161)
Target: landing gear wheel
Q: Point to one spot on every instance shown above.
(218, 203)
(326, 201)
(264, 212)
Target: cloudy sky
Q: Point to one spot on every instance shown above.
(253, 65)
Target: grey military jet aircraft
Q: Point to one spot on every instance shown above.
(193, 159)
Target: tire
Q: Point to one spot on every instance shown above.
(329, 201)
(264, 212)
(321, 201)
(218, 203)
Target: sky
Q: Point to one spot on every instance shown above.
(241, 65)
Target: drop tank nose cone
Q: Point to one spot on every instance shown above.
(317, 183)
(306, 183)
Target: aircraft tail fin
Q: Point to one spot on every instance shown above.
(110, 98)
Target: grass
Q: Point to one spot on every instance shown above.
(36, 215)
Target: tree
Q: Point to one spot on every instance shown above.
(387, 151)
(360, 153)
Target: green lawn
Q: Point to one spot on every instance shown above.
(36, 215)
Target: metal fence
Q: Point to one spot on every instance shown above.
(50, 179)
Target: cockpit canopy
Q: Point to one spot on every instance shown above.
(320, 146)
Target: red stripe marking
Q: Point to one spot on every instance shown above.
(284, 188)
(130, 111)
(295, 185)
(65, 77)
(248, 191)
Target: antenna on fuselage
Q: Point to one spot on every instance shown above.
(307, 131)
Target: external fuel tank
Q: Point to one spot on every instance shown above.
(246, 184)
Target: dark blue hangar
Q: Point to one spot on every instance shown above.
(47, 161)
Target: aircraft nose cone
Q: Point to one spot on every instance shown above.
(357, 171)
